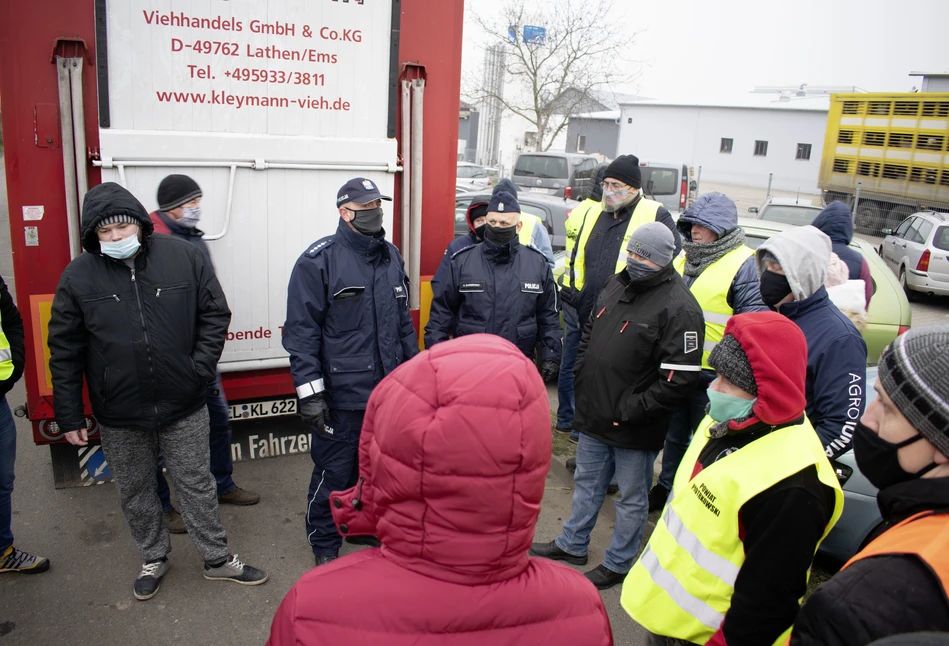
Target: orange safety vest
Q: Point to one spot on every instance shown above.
(925, 535)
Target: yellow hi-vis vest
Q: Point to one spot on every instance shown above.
(6, 357)
(711, 291)
(575, 266)
(683, 583)
(527, 228)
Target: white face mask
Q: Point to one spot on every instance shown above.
(192, 214)
(121, 249)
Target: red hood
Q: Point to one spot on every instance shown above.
(453, 458)
(468, 214)
(777, 352)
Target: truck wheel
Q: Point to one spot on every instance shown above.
(897, 214)
(869, 218)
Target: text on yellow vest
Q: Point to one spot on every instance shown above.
(683, 583)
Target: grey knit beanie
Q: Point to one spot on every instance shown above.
(653, 241)
(116, 219)
(914, 372)
(731, 362)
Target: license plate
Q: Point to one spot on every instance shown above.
(535, 189)
(271, 408)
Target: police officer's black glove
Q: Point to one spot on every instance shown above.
(313, 411)
(549, 370)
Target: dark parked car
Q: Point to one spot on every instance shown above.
(552, 211)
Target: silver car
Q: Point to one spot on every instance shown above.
(918, 253)
(787, 210)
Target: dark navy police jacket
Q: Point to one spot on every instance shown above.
(507, 290)
(348, 322)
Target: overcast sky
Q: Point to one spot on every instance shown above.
(724, 48)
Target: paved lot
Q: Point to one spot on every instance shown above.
(86, 598)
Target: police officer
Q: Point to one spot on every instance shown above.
(348, 326)
(532, 232)
(500, 287)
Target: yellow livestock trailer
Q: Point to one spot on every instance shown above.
(895, 148)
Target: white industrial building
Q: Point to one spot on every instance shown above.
(735, 143)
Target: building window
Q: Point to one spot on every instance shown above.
(803, 151)
(726, 145)
(581, 143)
(761, 148)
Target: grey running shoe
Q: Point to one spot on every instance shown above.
(233, 570)
(149, 579)
(14, 560)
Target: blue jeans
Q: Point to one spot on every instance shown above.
(596, 464)
(681, 426)
(7, 458)
(221, 464)
(335, 468)
(571, 343)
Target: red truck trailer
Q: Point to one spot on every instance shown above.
(271, 105)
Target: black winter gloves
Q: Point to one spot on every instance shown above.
(313, 411)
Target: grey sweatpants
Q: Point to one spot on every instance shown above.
(132, 455)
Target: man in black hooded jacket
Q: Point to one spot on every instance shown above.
(144, 320)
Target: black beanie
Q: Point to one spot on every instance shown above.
(625, 168)
(176, 190)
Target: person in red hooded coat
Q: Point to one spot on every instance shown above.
(453, 459)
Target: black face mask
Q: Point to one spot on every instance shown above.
(479, 231)
(368, 222)
(878, 459)
(774, 287)
(500, 235)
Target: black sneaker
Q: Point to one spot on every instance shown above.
(326, 558)
(551, 551)
(371, 541)
(571, 465)
(14, 560)
(233, 570)
(612, 488)
(149, 579)
(561, 429)
(603, 577)
(657, 497)
(574, 438)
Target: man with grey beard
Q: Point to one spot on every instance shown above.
(600, 250)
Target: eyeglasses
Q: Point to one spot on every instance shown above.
(613, 186)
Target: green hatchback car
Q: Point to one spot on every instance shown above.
(889, 314)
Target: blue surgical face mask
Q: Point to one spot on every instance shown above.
(723, 407)
(192, 214)
(125, 248)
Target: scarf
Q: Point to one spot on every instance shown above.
(699, 256)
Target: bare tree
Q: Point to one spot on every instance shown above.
(587, 51)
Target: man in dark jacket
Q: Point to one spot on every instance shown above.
(500, 287)
(793, 269)
(572, 325)
(837, 223)
(639, 360)
(12, 358)
(899, 583)
(348, 326)
(720, 271)
(178, 214)
(144, 319)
